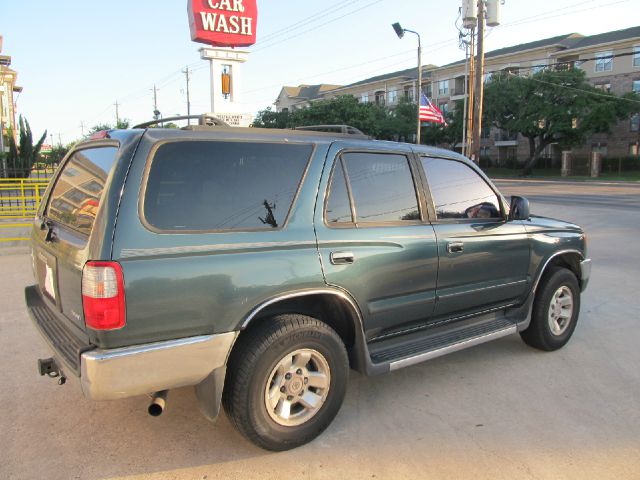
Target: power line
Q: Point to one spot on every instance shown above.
(598, 94)
(370, 4)
(546, 16)
(310, 19)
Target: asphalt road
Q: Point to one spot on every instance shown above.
(497, 411)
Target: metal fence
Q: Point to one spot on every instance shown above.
(19, 201)
(20, 197)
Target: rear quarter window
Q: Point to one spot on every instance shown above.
(212, 186)
(77, 194)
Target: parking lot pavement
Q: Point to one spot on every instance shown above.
(498, 411)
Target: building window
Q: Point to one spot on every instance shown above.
(428, 91)
(392, 95)
(605, 87)
(634, 149)
(444, 108)
(635, 86)
(380, 98)
(443, 87)
(600, 148)
(537, 68)
(635, 122)
(636, 56)
(364, 98)
(604, 62)
(408, 94)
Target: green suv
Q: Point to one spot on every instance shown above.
(259, 266)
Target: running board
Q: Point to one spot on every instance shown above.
(452, 348)
(427, 346)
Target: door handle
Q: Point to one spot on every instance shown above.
(342, 258)
(455, 247)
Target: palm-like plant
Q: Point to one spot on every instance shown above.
(23, 155)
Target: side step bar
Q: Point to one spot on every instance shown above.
(400, 352)
(452, 348)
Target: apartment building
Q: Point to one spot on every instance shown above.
(8, 78)
(293, 98)
(611, 61)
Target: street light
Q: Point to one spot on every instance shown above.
(400, 32)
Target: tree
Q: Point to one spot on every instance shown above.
(121, 124)
(25, 153)
(269, 119)
(552, 107)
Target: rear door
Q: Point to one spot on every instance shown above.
(64, 226)
(374, 237)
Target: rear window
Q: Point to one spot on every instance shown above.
(76, 195)
(204, 186)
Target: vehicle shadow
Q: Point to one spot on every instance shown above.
(116, 439)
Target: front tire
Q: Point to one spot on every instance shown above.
(555, 311)
(286, 381)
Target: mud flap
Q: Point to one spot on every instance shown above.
(209, 393)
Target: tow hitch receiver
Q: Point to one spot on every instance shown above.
(48, 366)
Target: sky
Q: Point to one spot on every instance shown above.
(76, 59)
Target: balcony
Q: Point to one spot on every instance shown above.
(506, 139)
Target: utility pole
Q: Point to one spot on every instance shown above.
(59, 140)
(479, 86)
(186, 74)
(82, 128)
(117, 105)
(470, 89)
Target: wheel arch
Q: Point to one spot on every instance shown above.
(331, 306)
(569, 259)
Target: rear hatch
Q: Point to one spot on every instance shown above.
(69, 229)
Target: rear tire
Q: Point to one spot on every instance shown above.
(286, 381)
(555, 310)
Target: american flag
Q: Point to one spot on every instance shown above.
(429, 112)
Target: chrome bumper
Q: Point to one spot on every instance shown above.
(585, 273)
(141, 369)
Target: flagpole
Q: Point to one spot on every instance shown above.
(419, 97)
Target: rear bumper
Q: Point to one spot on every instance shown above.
(585, 273)
(128, 371)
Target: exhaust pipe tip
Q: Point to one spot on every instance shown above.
(158, 403)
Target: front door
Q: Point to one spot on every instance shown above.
(484, 259)
(374, 238)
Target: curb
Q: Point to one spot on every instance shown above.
(571, 181)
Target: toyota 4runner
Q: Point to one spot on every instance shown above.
(260, 265)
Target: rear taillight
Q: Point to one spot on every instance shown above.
(103, 295)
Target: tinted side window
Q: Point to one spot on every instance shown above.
(76, 196)
(458, 191)
(223, 185)
(338, 208)
(382, 187)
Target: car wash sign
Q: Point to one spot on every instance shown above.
(223, 23)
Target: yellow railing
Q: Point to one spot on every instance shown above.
(20, 197)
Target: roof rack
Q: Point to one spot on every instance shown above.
(203, 120)
(344, 129)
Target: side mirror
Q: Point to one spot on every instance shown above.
(519, 209)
